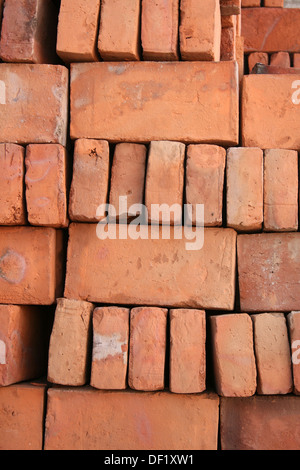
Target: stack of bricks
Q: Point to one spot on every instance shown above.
(149, 328)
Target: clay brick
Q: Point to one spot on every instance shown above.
(77, 31)
(34, 103)
(145, 101)
(245, 188)
(293, 321)
(12, 200)
(205, 166)
(119, 32)
(24, 334)
(28, 31)
(228, 21)
(110, 348)
(280, 190)
(200, 30)
(130, 420)
(280, 59)
(272, 352)
(159, 29)
(274, 3)
(22, 416)
(89, 186)
(127, 177)
(296, 60)
(233, 354)
(250, 3)
(46, 185)
(240, 58)
(117, 270)
(147, 353)
(70, 343)
(31, 260)
(187, 351)
(228, 44)
(268, 271)
(257, 57)
(272, 99)
(230, 7)
(165, 181)
(271, 29)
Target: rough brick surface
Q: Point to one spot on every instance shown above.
(257, 58)
(250, 3)
(130, 420)
(274, 3)
(145, 101)
(293, 320)
(230, 7)
(280, 59)
(228, 43)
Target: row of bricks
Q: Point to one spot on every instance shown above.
(261, 187)
(277, 59)
(35, 417)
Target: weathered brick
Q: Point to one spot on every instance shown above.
(145, 101)
(293, 320)
(280, 59)
(296, 60)
(250, 3)
(230, 7)
(228, 44)
(110, 348)
(130, 420)
(274, 3)
(257, 57)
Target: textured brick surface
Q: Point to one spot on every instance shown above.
(293, 320)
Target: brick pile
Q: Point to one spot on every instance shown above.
(118, 338)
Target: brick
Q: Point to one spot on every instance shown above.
(280, 190)
(260, 423)
(268, 271)
(130, 420)
(77, 31)
(12, 201)
(233, 354)
(144, 93)
(273, 99)
(257, 57)
(116, 271)
(159, 29)
(228, 44)
(110, 348)
(200, 30)
(230, 7)
(119, 33)
(46, 185)
(261, 69)
(250, 3)
(147, 353)
(205, 167)
(293, 321)
(22, 416)
(296, 60)
(274, 3)
(70, 343)
(28, 31)
(280, 59)
(271, 30)
(24, 332)
(187, 351)
(128, 177)
(244, 188)
(240, 57)
(165, 164)
(228, 21)
(89, 186)
(272, 352)
(31, 260)
(34, 103)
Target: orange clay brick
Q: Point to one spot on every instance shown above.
(293, 320)
(257, 57)
(280, 59)
(230, 7)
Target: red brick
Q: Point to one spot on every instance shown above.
(130, 420)
(70, 342)
(159, 29)
(119, 30)
(89, 186)
(268, 271)
(34, 103)
(271, 30)
(250, 3)
(116, 271)
(280, 190)
(31, 260)
(22, 416)
(228, 21)
(271, 99)
(272, 352)
(28, 31)
(280, 59)
(233, 354)
(12, 201)
(110, 348)
(46, 185)
(257, 57)
(205, 166)
(293, 319)
(230, 7)
(296, 60)
(200, 30)
(187, 351)
(274, 3)
(260, 423)
(24, 334)
(77, 31)
(228, 44)
(145, 101)
(245, 188)
(147, 353)
(240, 58)
(165, 164)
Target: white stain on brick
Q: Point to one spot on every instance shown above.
(2, 352)
(105, 346)
(2, 92)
